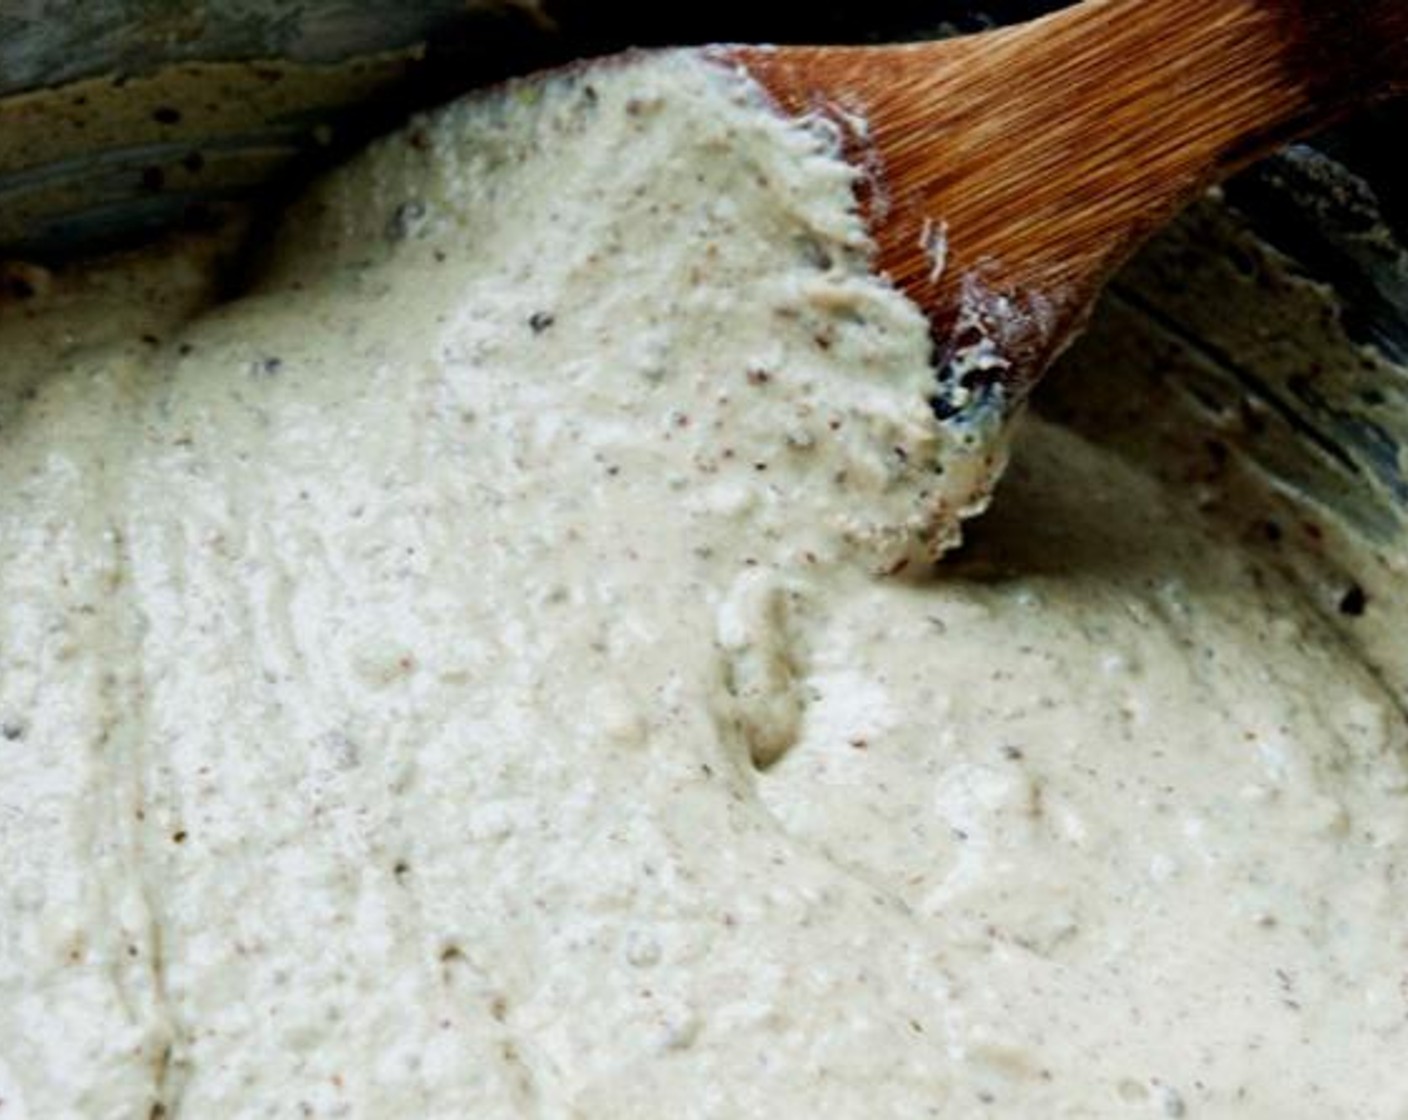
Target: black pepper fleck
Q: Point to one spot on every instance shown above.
(1353, 601)
(540, 321)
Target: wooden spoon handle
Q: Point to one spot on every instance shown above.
(1147, 101)
(1053, 149)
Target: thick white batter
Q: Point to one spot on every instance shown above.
(456, 679)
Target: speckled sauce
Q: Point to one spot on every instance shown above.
(490, 669)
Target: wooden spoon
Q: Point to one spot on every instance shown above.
(1008, 173)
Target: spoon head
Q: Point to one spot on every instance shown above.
(997, 320)
(1006, 175)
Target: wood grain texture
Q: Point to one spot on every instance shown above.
(1030, 161)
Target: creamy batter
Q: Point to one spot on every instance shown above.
(492, 669)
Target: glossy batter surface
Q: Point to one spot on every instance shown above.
(460, 678)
